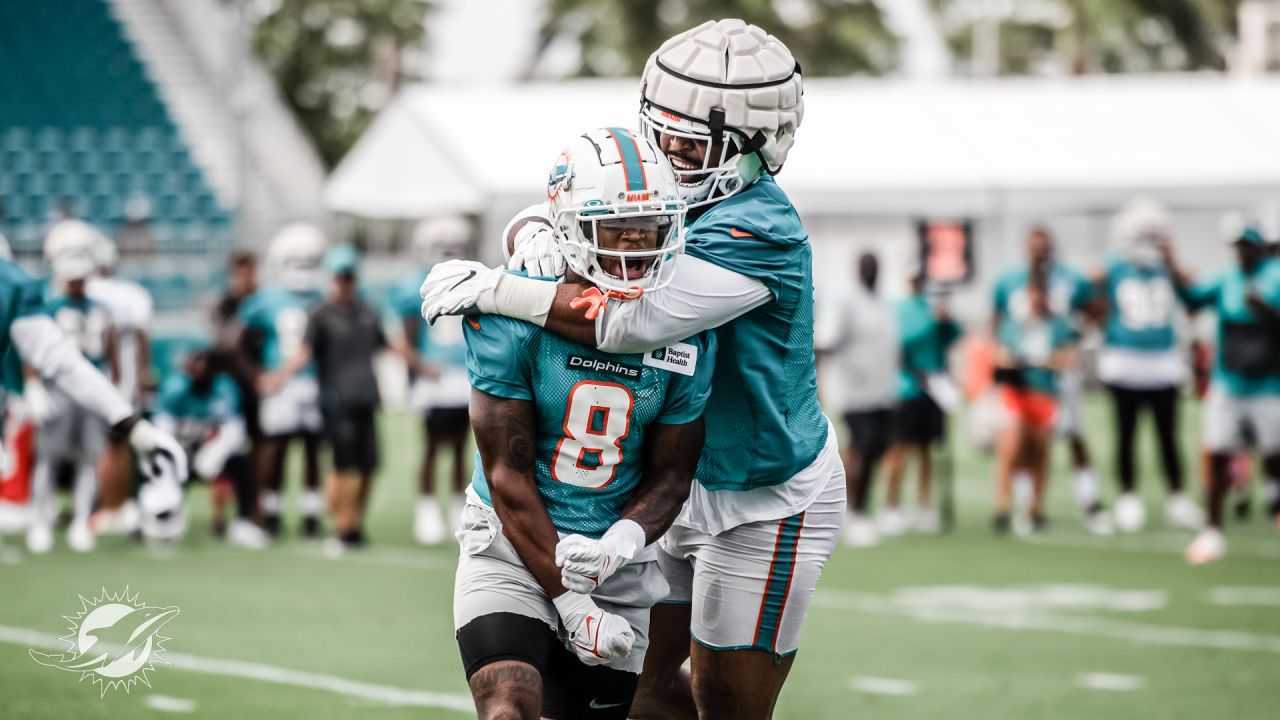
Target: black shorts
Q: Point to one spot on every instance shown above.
(448, 422)
(869, 432)
(918, 421)
(352, 433)
(570, 689)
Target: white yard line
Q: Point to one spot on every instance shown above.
(164, 703)
(270, 673)
(1166, 544)
(1112, 682)
(1245, 596)
(884, 686)
(1057, 622)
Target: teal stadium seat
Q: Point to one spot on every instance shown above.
(80, 118)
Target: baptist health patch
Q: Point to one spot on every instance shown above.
(678, 358)
(627, 372)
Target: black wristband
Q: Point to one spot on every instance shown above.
(120, 431)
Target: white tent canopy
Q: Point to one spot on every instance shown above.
(866, 146)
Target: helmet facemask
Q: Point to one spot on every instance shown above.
(624, 248)
(730, 162)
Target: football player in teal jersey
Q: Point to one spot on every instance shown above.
(723, 101)
(1070, 295)
(27, 328)
(201, 408)
(1244, 396)
(275, 320)
(438, 387)
(581, 453)
(1140, 361)
(66, 433)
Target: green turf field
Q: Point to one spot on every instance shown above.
(960, 626)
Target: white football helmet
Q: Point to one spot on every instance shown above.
(71, 235)
(1139, 227)
(612, 179)
(296, 256)
(439, 239)
(732, 86)
(161, 501)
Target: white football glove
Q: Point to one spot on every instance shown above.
(158, 452)
(208, 461)
(586, 563)
(537, 252)
(595, 636)
(39, 404)
(458, 287)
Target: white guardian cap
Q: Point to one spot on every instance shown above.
(616, 210)
(732, 86)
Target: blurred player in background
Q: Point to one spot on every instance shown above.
(723, 101)
(583, 452)
(438, 377)
(66, 433)
(1244, 399)
(859, 336)
(274, 321)
(343, 335)
(1070, 295)
(1140, 361)
(926, 332)
(55, 360)
(1034, 349)
(201, 408)
(227, 356)
(129, 308)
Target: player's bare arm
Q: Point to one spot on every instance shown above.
(504, 437)
(671, 457)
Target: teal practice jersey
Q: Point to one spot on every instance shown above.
(1240, 332)
(85, 324)
(925, 342)
(593, 410)
(20, 296)
(196, 412)
(1032, 342)
(1069, 292)
(1141, 302)
(441, 344)
(280, 316)
(764, 423)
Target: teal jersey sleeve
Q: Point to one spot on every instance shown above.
(226, 398)
(1000, 295)
(405, 300)
(1082, 291)
(1202, 294)
(756, 233)
(497, 356)
(687, 395)
(169, 399)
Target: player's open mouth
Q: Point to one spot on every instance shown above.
(636, 267)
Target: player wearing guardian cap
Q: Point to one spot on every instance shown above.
(723, 102)
(438, 376)
(275, 320)
(585, 458)
(42, 345)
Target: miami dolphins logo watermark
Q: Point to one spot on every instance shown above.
(114, 641)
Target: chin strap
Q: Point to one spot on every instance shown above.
(592, 302)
